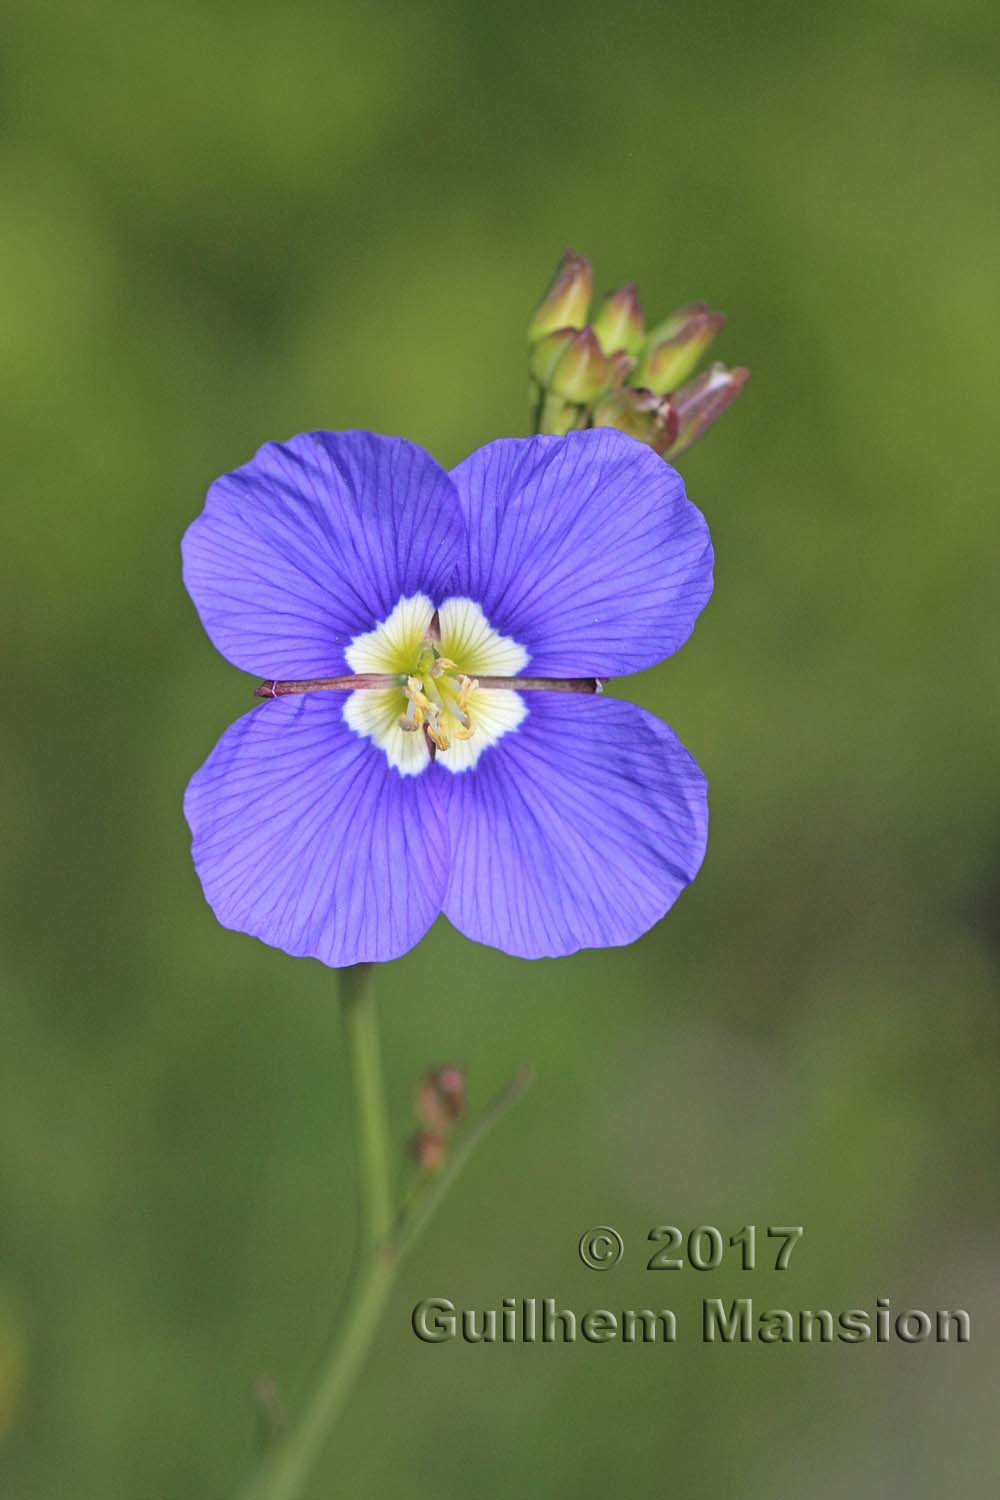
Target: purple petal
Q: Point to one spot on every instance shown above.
(314, 541)
(578, 831)
(583, 548)
(305, 837)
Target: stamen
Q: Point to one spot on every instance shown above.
(438, 735)
(468, 687)
(414, 690)
(412, 719)
(422, 690)
(434, 705)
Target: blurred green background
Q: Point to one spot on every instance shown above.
(223, 224)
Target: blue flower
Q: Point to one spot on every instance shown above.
(339, 822)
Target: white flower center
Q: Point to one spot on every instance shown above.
(437, 710)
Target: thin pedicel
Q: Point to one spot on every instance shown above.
(352, 682)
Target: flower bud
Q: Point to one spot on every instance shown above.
(642, 414)
(583, 371)
(619, 323)
(547, 353)
(567, 301)
(441, 1098)
(428, 1150)
(702, 401)
(675, 346)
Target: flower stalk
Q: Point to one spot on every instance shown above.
(388, 1232)
(374, 1140)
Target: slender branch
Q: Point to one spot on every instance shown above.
(276, 689)
(348, 684)
(546, 684)
(418, 1214)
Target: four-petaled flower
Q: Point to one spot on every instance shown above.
(428, 744)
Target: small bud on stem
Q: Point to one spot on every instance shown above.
(613, 374)
(619, 323)
(675, 348)
(702, 402)
(567, 302)
(547, 353)
(428, 1150)
(440, 1100)
(583, 371)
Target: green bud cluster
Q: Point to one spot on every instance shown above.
(608, 370)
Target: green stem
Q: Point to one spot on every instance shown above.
(385, 1238)
(374, 1142)
(536, 412)
(292, 1461)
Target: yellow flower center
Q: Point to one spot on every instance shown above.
(438, 709)
(438, 700)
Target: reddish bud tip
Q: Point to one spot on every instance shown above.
(702, 402)
(583, 371)
(440, 1099)
(567, 301)
(619, 323)
(676, 346)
